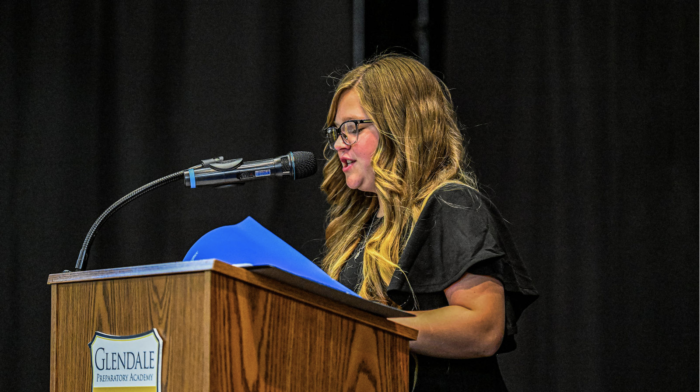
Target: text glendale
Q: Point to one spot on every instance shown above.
(124, 360)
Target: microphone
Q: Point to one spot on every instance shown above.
(220, 172)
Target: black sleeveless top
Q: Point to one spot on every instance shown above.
(458, 231)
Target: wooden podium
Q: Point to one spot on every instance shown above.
(225, 329)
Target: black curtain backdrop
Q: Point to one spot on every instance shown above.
(582, 119)
(583, 124)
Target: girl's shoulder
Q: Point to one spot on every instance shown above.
(458, 195)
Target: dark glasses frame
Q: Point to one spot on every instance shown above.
(332, 133)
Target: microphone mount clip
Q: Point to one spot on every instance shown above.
(225, 165)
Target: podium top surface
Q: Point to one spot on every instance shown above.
(273, 280)
(147, 270)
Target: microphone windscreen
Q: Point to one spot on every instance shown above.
(304, 164)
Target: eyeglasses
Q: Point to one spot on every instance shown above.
(348, 131)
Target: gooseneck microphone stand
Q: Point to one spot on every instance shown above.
(212, 172)
(81, 264)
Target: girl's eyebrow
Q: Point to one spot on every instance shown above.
(345, 119)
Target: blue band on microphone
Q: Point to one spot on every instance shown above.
(294, 169)
(192, 183)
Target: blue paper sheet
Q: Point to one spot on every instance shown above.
(250, 243)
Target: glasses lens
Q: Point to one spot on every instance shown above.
(332, 136)
(349, 132)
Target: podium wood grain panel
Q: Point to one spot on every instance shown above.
(128, 307)
(262, 341)
(225, 329)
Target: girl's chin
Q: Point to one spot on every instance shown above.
(358, 185)
(352, 185)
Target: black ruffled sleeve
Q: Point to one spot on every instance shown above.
(461, 231)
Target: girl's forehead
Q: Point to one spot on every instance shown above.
(349, 107)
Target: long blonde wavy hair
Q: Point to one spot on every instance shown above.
(420, 149)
